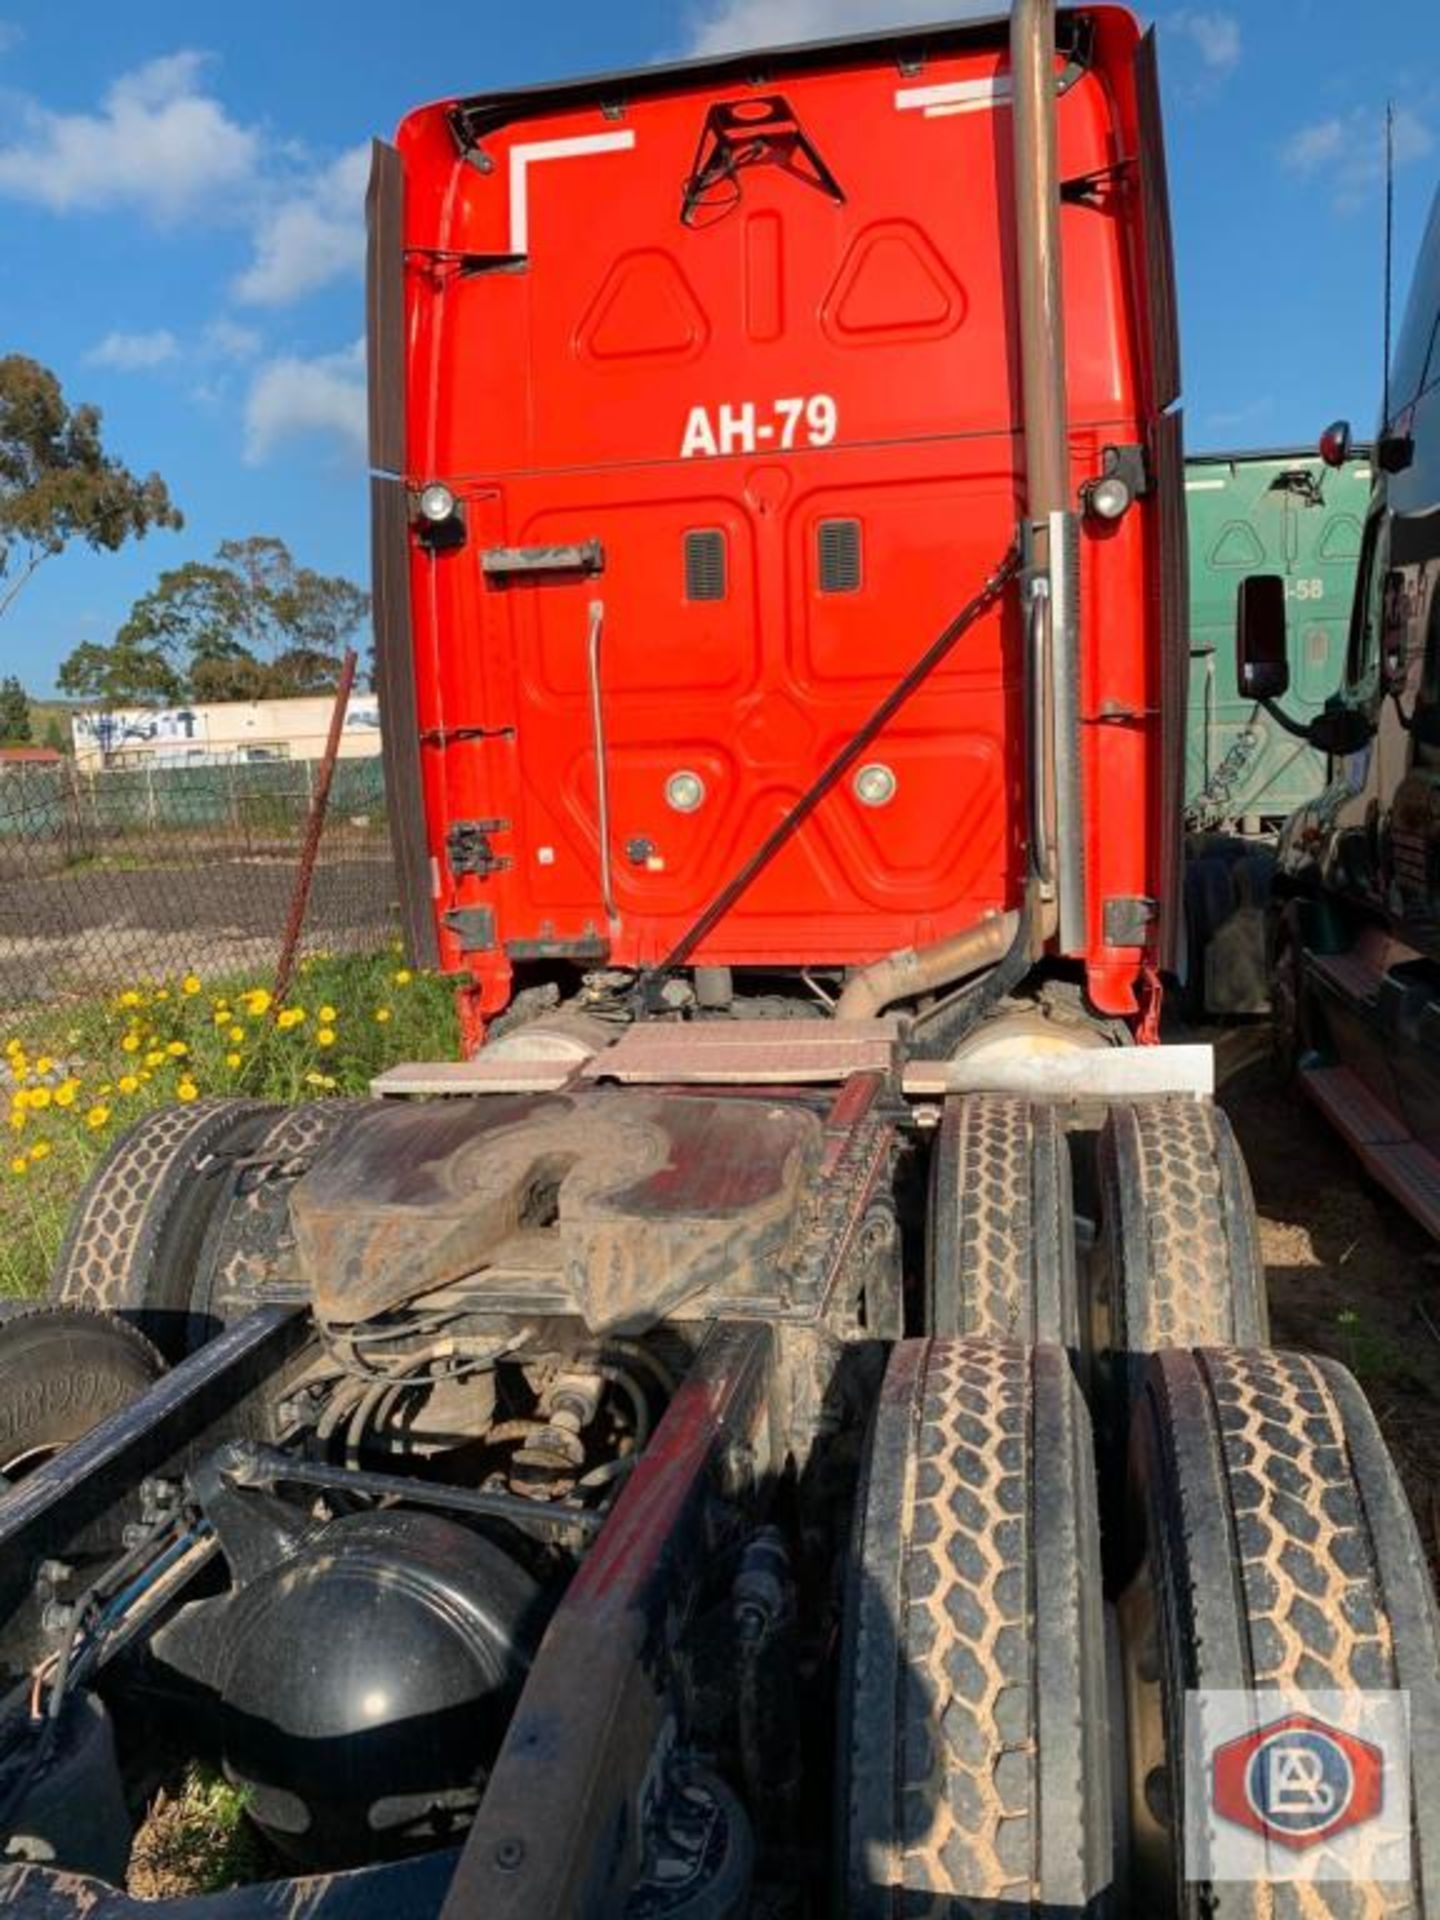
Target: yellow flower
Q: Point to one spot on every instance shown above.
(382, 1014)
(17, 1121)
(128, 1083)
(187, 1090)
(19, 1164)
(235, 1036)
(130, 998)
(257, 1001)
(327, 1016)
(96, 1118)
(39, 1150)
(319, 1079)
(190, 984)
(289, 1017)
(102, 1092)
(403, 976)
(39, 1098)
(222, 1017)
(44, 1064)
(162, 993)
(177, 1049)
(65, 1093)
(325, 1037)
(131, 1043)
(142, 1077)
(232, 1060)
(155, 1058)
(19, 1100)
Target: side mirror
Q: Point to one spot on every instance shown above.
(1339, 729)
(1262, 667)
(1335, 443)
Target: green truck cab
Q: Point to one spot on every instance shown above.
(1277, 511)
(1282, 510)
(1354, 918)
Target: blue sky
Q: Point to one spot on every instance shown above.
(180, 206)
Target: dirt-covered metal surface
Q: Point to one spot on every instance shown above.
(1349, 1273)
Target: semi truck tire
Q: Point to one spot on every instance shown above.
(62, 1371)
(249, 1224)
(1270, 1547)
(1000, 1240)
(974, 1759)
(138, 1225)
(1177, 1262)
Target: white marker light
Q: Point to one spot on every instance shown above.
(875, 785)
(1107, 499)
(685, 791)
(437, 503)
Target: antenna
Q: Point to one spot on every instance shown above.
(1389, 252)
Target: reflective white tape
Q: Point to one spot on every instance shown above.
(954, 96)
(522, 156)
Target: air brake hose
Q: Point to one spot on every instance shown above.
(644, 990)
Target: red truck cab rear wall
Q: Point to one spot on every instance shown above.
(740, 339)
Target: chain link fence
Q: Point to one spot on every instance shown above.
(141, 873)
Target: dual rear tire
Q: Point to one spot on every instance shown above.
(185, 1223)
(988, 1703)
(1256, 1538)
(1176, 1262)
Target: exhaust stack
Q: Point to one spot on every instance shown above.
(1053, 570)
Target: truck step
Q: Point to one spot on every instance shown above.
(1386, 1147)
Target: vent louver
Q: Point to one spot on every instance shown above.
(705, 565)
(839, 556)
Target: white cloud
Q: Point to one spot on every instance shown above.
(1215, 37)
(731, 24)
(159, 143)
(310, 236)
(1346, 152)
(134, 352)
(226, 340)
(163, 145)
(292, 396)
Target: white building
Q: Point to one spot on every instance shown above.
(217, 734)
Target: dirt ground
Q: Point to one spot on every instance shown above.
(1350, 1273)
(112, 926)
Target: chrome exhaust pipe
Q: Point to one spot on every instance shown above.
(1052, 525)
